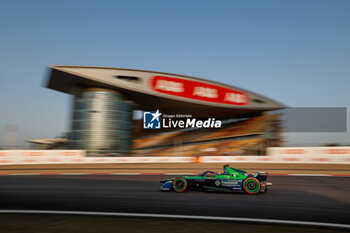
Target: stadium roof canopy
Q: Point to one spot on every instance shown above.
(171, 93)
(47, 140)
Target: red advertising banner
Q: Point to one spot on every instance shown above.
(198, 90)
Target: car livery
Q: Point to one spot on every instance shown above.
(231, 180)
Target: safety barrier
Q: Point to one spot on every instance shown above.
(326, 155)
(309, 151)
(340, 159)
(77, 156)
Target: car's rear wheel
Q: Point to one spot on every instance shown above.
(251, 185)
(180, 184)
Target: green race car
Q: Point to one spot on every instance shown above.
(231, 180)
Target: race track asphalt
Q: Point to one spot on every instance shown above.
(318, 199)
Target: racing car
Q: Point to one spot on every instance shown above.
(231, 180)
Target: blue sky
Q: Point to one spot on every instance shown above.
(296, 52)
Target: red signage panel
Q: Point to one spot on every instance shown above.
(198, 90)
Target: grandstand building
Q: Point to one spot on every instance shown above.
(104, 100)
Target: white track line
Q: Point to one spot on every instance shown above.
(24, 174)
(309, 175)
(125, 174)
(173, 216)
(72, 173)
(170, 173)
(177, 173)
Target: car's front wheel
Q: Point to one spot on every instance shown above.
(251, 185)
(180, 184)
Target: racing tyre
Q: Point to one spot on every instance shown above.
(251, 185)
(180, 184)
